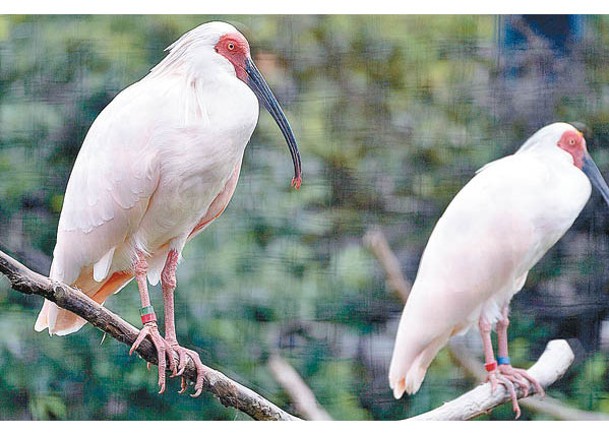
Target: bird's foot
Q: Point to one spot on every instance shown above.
(520, 377)
(163, 348)
(496, 378)
(183, 354)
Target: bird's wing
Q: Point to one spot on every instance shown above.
(495, 229)
(112, 180)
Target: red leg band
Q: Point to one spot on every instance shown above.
(147, 314)
(148, 318)
(491, 367)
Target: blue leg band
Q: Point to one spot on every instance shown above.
(503, 360)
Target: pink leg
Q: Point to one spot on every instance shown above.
(518, 376)
(494, 377)
(168, 282)
(150, 328)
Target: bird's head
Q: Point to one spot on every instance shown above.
(565, 138)
(573, 142)
(219, 45)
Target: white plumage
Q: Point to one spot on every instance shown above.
(159, 164)
(479, 253)
(151, 165)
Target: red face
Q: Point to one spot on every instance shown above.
(235, 48)
(574, 143)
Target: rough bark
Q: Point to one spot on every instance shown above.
(229, 392)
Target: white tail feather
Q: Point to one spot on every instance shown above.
(409, 364)
(102, 267)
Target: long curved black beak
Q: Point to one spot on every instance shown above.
(259, 86)
(596, 178)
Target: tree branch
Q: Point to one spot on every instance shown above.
(300, 393)
(229, 392)
(376, 242)
(545, 405)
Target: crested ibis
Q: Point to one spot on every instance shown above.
(158, 165)
(482, 248)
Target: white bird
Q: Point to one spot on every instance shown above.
(482, 248)
(157, 166)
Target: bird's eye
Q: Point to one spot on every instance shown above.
(571, 141)
(230, 46)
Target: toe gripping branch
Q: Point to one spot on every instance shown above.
(147, 314)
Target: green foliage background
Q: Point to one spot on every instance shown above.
(393, 115)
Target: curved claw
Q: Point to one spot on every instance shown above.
(183, 386)
(182, 359)
(495, 378)
(163, 349)
(184, 354)
(521, 376)
(197, 393)
(507, 376)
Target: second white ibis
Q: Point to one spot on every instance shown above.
(482, 248)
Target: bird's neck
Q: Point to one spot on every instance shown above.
(227, 103)
(553, 155)
(221, 101)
